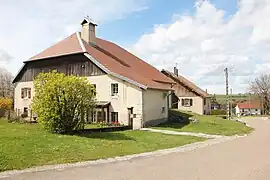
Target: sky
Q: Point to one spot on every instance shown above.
(200, 37)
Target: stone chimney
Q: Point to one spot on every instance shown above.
(88, 30)
(175, 71)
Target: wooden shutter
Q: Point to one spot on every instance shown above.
(22, 94)
(182, 102)
(191, 102)
(29, 93)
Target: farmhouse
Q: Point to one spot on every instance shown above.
(187, 96)
(129, 90)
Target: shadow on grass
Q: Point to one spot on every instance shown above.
(113, 136)
(177, 119)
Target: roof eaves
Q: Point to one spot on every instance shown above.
(194, 90)
(106, 70)
(17, 74)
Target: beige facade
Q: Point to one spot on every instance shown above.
(199, 105)
(147, 105)
(21, 104)
(187, 96)
(155, 107)
(129, 96)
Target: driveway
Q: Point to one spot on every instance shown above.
(245, 158)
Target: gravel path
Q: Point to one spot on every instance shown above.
(208, 136)
(245, 158)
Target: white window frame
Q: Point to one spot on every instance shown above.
(187, 102)
(26, 92)
(114, 89)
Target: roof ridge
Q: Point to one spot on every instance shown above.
(80, 41)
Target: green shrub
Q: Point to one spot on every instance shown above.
(61, 101)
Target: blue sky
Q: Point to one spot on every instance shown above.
(202, 37)
(127, 30)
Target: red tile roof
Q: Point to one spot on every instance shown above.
(113, 57)
(251, 105)
(69, 45)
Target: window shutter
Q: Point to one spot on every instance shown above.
(182, 102)
(29, 93)
(191, 102)
(22, 95)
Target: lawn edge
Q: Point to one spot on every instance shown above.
(184, 148)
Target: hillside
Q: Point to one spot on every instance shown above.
(221, 98)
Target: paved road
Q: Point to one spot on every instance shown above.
(246, 158)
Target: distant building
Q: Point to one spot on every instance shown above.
(248, 108)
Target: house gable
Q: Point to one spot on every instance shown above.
(78, 65)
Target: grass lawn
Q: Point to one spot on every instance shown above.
(207, 124)
(27, 145)
(93, 126)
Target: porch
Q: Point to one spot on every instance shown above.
(101, 113)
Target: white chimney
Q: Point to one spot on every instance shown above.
(88, 30)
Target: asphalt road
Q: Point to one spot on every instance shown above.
(245, 158)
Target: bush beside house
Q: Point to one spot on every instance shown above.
(61, 102)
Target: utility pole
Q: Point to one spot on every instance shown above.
(227, 93)
(249, 103)
(231, 112)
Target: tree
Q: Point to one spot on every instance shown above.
(61, 102)
(6, 86)
(261, 87)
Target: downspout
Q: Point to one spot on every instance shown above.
(168, 103)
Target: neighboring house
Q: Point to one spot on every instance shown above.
(187, 96)
(129, 90)
(215, 106)
(248, 108)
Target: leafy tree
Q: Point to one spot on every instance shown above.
(61, 102)
(5, 105)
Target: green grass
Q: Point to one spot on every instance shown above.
(221, 98)
(93, 126)
(207, 124)
(28, 145)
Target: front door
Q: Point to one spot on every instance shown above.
(130, 117)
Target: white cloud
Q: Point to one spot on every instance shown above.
(29, 27)
(207, 41)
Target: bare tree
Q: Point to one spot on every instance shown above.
(6, 86)
(261, 87)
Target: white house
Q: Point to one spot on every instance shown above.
(129, 90)
(250, 108)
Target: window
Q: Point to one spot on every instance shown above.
(25, 110)
(163, 110)
(95, 87)
(114, 89)
(26, 93)
(114, 116)
(204, 101)
(256, 109)
(187, 102)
